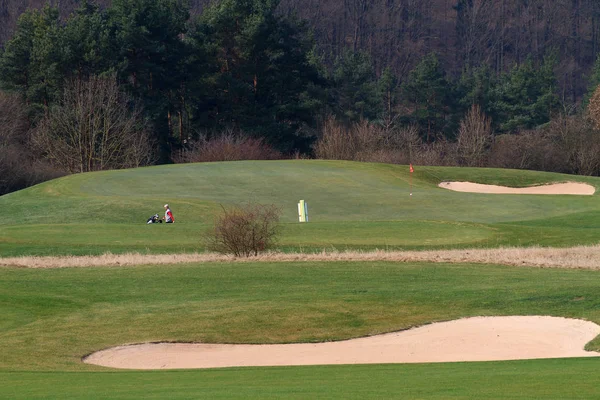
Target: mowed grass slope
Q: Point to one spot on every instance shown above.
(351, 205)
(51, 318)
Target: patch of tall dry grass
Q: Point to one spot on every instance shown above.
(582, 257)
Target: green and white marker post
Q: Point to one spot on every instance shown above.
(303, 211)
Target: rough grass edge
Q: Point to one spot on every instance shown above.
(579, 257)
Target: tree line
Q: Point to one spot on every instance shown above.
(143, 81)
(399, 33)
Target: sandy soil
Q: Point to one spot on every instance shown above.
(556, 188)
(469, 339)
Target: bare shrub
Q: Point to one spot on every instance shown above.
(94, 128)
(577, 142)
(516, 151)
(568, 144)
(407, 138)
(229, 145)
(336, 142)
(244, 230)
(363, 141)
(594, 108)
(474, 138)
(441, 152)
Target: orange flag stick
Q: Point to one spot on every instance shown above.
(411, 169)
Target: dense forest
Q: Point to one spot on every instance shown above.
(90, 85)
(399, 33)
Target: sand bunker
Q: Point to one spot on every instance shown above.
(556, 188)
(469, 339)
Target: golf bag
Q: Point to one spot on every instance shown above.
(155, 219)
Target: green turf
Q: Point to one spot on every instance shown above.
(51, 318)
(351, 205)
(523, 380)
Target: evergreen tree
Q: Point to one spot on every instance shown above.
(15, 68)
(430, 95)
(526, 96)
(354, 87)
(476, 87)
(264, 78)
(147, 37)
(593, 81)
(388, 88)
(86, 43)
(31, 63)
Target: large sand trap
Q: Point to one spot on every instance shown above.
(469, 339)
(556, 188)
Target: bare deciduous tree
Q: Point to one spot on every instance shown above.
(474, 137)
(95, 127)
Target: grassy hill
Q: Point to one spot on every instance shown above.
(53, 317)
(351, 205)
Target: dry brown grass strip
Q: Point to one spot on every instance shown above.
(583, 257)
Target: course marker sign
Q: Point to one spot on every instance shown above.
(302, 211)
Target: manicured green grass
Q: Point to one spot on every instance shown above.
(522, 380)
(351, 205)
(51, 318)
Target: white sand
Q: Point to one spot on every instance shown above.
(469, 339)
(556, 188)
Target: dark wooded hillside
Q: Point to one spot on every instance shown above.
(398, 33)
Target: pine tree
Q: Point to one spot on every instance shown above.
(31, 63)
(147, 37)
(388, 88)
(429, 94)
(264, 71)
(526, 96)
(593, 81)
(86, 43)
(355, 87)
(476, 87)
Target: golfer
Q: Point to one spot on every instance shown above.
(168, 215)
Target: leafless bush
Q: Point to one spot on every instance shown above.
(474, 138)
(229, 145)
(594, 108)
(245, 230)
(367, 142)
(519, 151)
(577, 142)
(567, 144)
(336, 142)
(441, 152)
(94, 128)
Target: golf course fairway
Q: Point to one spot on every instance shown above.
(52, 318)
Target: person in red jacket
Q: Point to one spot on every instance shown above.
(168, 215)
